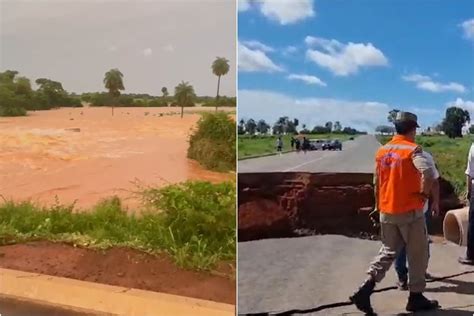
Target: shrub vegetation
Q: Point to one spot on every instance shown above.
(212, 143)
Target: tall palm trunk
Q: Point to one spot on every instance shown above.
(218, 85)
(113, 100)
(182, 110)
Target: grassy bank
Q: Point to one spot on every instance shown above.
(194, 222)
(260, 145)
(450, 156)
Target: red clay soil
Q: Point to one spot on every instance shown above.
(285, 204)
(118, 266)
(263, 218)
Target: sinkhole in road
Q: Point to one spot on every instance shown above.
(291, 204)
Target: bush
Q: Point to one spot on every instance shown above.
(223, 101)
(157, 103)
(212, 144)
(12, 111)
(139, 103)
(175, 104)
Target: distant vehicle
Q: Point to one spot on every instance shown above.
(336, 144)
(327, 145)
(316, 144)
(332, 145)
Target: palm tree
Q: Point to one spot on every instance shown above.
(165, 93)
(184, 94)
(164, 90)
(113, 82)
(220, 67)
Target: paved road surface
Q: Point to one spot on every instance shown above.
(356, 156)
(10, 307)
(302, 273)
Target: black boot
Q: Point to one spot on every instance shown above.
(418, 302)
(361, 298)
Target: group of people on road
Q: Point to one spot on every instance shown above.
(406, 195)
(295, 143)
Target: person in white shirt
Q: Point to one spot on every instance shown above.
(469, 257)
(401, 261)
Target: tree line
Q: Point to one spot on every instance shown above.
(284, 125)
(452, 124)
(17, 95)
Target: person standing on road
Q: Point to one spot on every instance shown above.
(279, 144)
(305, 144)
(402, 183)
(430, 208)
(292, 143)
(469, 257)
(297, 145)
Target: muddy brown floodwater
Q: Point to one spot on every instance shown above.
(86, 154)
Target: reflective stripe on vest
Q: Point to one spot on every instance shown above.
(397, 146)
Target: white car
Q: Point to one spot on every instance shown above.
(316, 144)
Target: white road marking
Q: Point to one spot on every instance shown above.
(303, 164)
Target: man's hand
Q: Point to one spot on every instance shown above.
(375, 217)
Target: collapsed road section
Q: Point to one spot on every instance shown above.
(287, 204)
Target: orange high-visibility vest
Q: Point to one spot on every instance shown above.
(399, 182)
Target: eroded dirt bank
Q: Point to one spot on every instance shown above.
(86, 154)
(285, 204)
(119, 266)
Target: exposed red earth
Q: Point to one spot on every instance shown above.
(284, 204)
(121, 267)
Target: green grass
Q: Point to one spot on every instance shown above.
(194, 222)
(260, 145)
(450, 156)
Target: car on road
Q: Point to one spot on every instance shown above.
(327, 145)
(332, 145)
(336, 144)
(316, 144)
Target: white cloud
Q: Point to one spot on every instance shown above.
(255, 60)
(243, 5)
(283, 11)
(147, 52)
(460, 103)
(287, 11)
(468, 28)
(307, 79)
(426, 83)
(268, 105)
(169, 48)
(343, 59)
(258, 45)
(290, 50)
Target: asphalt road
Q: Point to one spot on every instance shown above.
(277, 275)
(356, 156)
(12, 307)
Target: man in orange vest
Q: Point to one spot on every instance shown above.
(402, 182)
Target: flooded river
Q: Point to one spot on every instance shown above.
(86, 154)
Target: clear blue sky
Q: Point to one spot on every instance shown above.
(353, 61)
